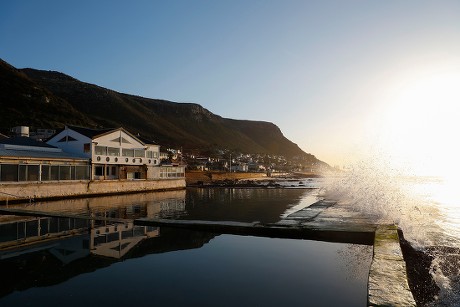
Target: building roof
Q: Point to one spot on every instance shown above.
(17, 153)
(24, 141)
(24, 147)
(91, 133)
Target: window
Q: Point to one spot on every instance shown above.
(46, 175)
(64, 172)
(9, 172)
(22, 172)
(67, 138)
(99, 171)
(86, 147)
(139, 153)
(33, 172)
(112, 151)
(128, 152)
(81, 172)
(100, 150)
(54, 172)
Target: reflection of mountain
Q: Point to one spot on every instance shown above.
(47, 264)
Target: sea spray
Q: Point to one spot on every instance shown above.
(379, 191)
(386, 194)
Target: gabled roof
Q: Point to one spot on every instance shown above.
(24, 141)
(91, 133)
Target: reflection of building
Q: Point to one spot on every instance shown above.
(23, 231)
(105, 239)
(116, 240)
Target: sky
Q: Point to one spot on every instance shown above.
(338, 77)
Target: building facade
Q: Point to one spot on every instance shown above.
(115, 154)
(24, 160)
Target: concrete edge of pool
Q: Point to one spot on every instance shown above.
(322, 221)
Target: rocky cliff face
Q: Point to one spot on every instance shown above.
(47, 99)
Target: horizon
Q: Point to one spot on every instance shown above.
(341, 80)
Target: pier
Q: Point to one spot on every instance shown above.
(322, 221)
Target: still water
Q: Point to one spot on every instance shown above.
(77, 262)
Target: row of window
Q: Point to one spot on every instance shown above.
(172, 172)
(126, 152)
(43, 172)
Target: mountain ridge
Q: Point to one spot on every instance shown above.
(45, 99)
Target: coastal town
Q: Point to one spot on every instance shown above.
(31, 161)
(78, 161)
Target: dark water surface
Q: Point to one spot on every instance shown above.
(71, 262)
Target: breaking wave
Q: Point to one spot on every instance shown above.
(417, 205)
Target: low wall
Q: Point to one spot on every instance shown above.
(192, 177)
(64, 189)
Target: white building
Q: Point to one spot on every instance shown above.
(114, 153)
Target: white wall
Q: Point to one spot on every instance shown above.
(75, 147)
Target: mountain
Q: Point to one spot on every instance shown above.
(49, 99)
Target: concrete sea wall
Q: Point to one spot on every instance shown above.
(13, 192)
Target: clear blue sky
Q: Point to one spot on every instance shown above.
(327, 73)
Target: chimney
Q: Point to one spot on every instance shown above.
(21, 131)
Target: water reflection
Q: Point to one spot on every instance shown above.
(244, 205)
(82, 261)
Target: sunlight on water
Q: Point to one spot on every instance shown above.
(427, 209)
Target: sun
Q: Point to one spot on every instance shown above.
(421, 124)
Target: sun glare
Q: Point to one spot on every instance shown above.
(421, 124)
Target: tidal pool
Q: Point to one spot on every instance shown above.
(185, 268)
(72, 262)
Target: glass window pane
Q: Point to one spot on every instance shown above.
(112, 151)
(46, 172)
(99, 171)
(54, 172)
(128, 152)
(33, 172)
(139, 153)
(22, 172)
(64, 172)
(100, 150)
(9, 172)
(81, 172)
